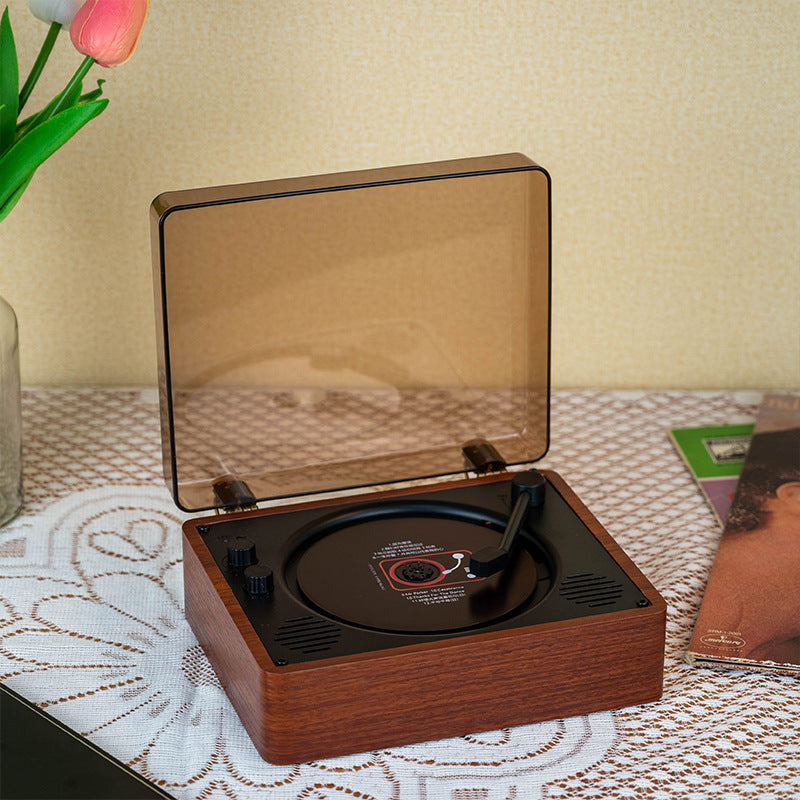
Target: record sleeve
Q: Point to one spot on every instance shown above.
(750, 614)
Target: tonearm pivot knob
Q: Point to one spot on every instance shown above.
(527, 491)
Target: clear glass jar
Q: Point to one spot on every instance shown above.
(10, 416)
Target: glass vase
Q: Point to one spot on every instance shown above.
(10, 416)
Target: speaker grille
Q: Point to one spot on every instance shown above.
(591, 590)
(308, 634)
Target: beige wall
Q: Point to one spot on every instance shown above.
(670, 130)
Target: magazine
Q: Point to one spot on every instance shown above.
(714, 455)
(750, 614)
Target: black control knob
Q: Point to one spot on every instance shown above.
(258, 580)
(241, 552)
(531, 482)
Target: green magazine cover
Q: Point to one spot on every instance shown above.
(715, 455)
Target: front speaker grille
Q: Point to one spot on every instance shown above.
(590, 590)
(308, 634)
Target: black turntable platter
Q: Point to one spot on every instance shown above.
(411, 574)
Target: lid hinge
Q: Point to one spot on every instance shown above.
(482, 457)
(233, 494)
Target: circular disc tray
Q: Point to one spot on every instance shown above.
(411, 574)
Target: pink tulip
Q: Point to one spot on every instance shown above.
(108, 30)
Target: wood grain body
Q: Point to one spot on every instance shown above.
(428, 691)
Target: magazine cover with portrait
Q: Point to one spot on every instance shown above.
(750, 614)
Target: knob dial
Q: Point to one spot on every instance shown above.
(258, 580)
(241, 552)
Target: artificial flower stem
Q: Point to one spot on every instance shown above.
(79, 75)
(38, 65)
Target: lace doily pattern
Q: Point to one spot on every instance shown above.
(92, 627)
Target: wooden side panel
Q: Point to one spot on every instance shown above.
(477, 684)
(208, 611)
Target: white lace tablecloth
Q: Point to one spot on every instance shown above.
(92, 626)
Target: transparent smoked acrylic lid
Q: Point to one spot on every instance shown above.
(351, 330)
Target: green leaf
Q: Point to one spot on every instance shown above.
(95, 93)
(72, 97)
(5, 209)
(29, 123)
(36, 146)
(9, 83)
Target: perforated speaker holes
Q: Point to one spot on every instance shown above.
(308, 634)
(590, 590)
